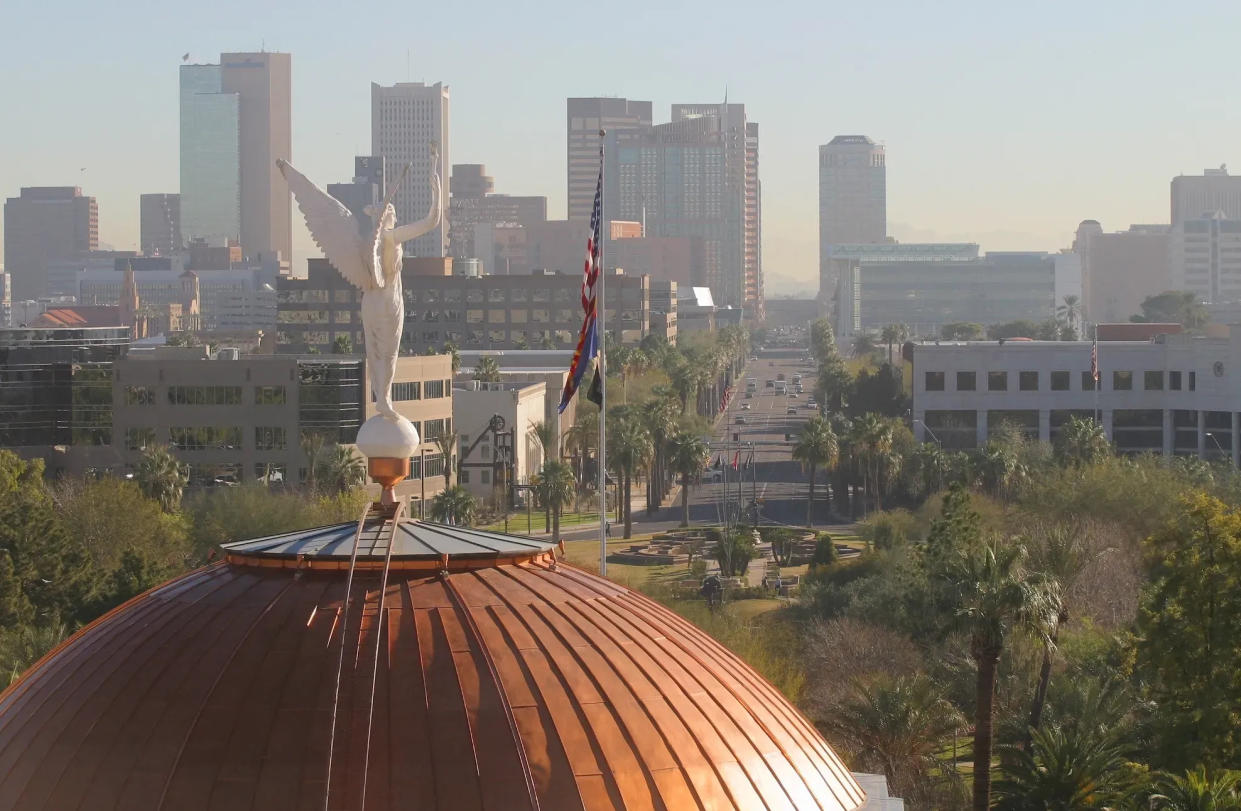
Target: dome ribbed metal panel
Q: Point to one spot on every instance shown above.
(506, 687)
(412, 540)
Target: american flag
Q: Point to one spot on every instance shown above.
(725, 397)
(1094, 360)
(588, 338)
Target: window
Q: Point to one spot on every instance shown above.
(997, 381)
(1027, 381)
(140, 395)
(1174, 381)
(433, 389)
(967, 381)
(1088, 381)
(137, 439)
(1059, 381)
(269, 438)
(207, 437)
(1152, 381)
(411, 390)
(269, 395)
(484, 476)
(271, 472)
(463, 477)
(1122, 381)
(434, 429)
(204, 395)
(934, 381)
(1193, 381)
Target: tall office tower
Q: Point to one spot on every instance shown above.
(45, 224)
(697, 176)
(159, 217)
(366, 188)
(406, 119)
(623, 119)
(1195, 196)
(853, 207)
(1204, 256)
(236, 121)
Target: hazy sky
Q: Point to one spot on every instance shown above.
(1004, 125)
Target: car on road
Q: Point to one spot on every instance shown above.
(740, 419)
(791, 410)
(793, 395)
(745, 406)
(771, 383)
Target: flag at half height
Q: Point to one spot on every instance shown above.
(588, 338)
(1094, 360)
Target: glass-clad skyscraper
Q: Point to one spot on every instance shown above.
(210, 156)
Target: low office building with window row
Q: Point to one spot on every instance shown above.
(235, 418)
(1175, 395)
(541, 310)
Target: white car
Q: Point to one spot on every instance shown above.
(745, 406)
(793, 395)
(791, 410)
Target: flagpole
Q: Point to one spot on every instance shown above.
(1098, 379)
(603, 377)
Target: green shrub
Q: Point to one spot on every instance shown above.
(887, 530)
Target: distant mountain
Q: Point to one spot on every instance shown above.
(779, 285)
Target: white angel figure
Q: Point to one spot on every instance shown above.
(371, 262)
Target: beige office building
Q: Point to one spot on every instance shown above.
(42, 225)
(237, 418)
(495, 456)
(1120, 269)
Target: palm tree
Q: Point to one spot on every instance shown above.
(1000, 468)
(554, 485)
(1061, 555)
(1198, 791)
(863, 344)
(581, 437)
(872, 442)
(1065, 767)
(1070, 311)
(161, 477)
(1081, 443)
(660, 416)
(450, 348)
(893, 333)
(453, 506)
(447, 444)
(339, 468)
(817, 447)
(994, 593)
(629, 450)
(897, 726)
(342, 345)
(687, 456)
(487, 370)
(543, 433)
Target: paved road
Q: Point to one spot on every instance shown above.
(775, 479)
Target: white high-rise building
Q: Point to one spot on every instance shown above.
(853, 199)
(1204, 256)
(1195, 196)
(406, 119)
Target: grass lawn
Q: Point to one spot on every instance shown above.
(517, 521)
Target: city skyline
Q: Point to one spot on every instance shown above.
(1011, 157)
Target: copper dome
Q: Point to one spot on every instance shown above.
(505, 681)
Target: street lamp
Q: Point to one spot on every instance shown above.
(938, 441)
(1225, 454)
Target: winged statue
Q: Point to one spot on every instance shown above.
(370, 261)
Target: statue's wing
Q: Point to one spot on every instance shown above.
(334, 229)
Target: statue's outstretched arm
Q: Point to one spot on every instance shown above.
(427, 224)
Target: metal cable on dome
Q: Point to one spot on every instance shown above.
(340, 664)
(379, 626)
